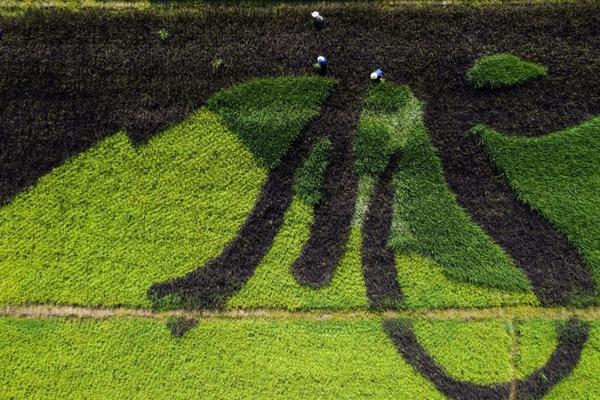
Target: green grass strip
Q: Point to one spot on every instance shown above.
(110, 222)
(219, 359)
(559, 175)
(273, 286)
(427, 218)
(268, 114)
(503, 70)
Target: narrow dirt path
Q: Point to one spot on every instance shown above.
(514, 354)
(521, 313)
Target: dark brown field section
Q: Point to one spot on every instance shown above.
(69, 80)
(378, 260)
(571, 340)
(179, 326)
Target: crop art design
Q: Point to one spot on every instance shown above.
(387, 140)
(412, 167)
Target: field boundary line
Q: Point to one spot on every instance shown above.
(467, 314)
(120, 5)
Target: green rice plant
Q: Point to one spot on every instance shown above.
(366, 184)
(503, 70)
(536, 340)
(559, 175)
(273, 286)
(383, 126)
(473, 351)
(217, 64)
(219, 359)
(163, 34)
(425, 285)
(427, 219)
(110, 222)
(583, 382)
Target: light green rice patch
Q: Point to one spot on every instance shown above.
(536, 340)
(110, 222)
(425, 285)
(478, 352)
(220, 359)
(366, 185)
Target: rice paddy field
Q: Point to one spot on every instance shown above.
(376, 200)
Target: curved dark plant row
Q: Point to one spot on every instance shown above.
(571, 340)
(378, 260)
